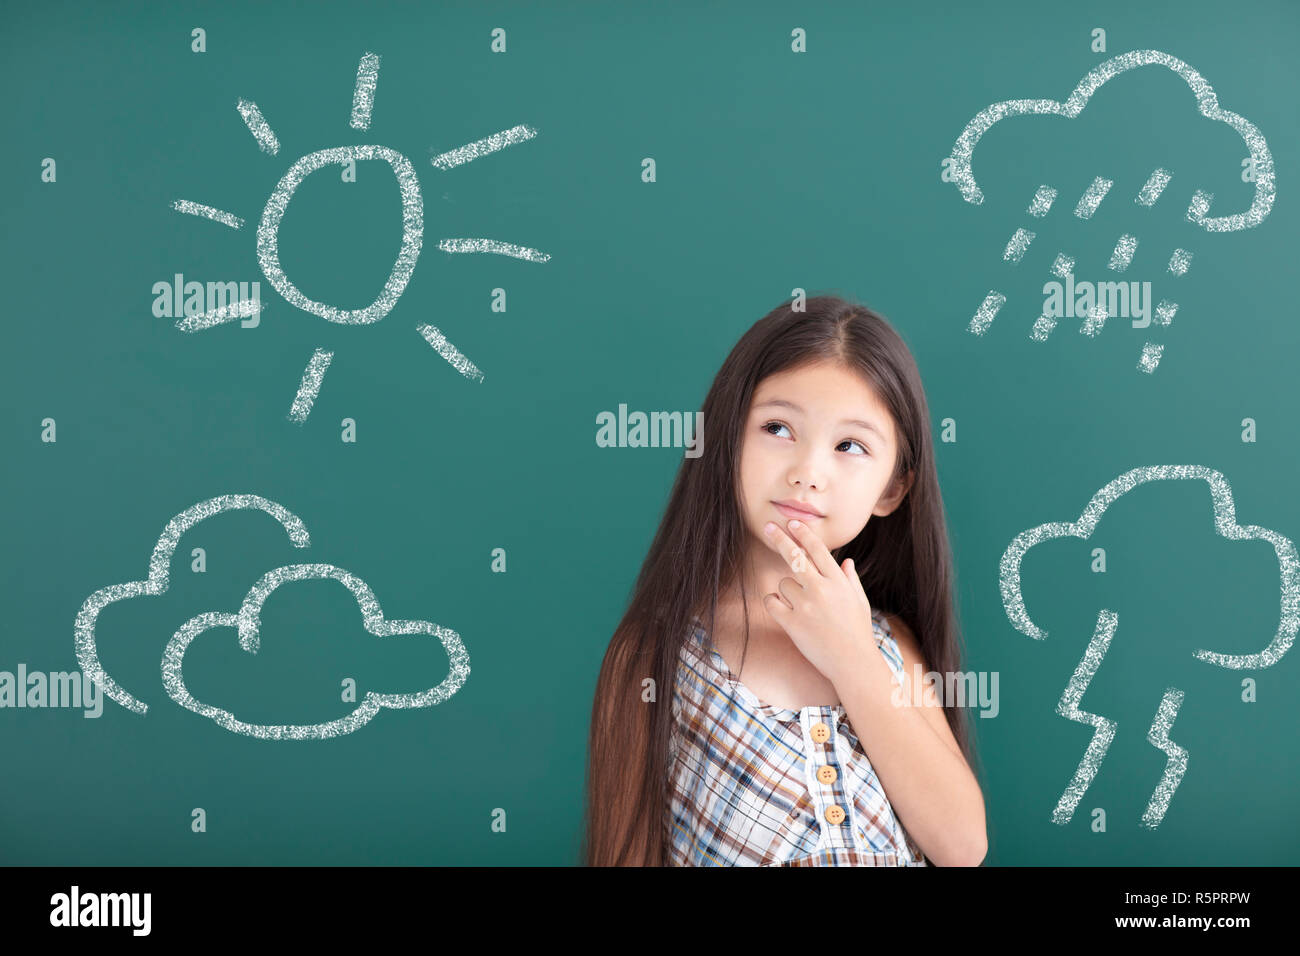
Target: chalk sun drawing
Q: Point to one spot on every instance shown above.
(268, 230)
(1225, 525)
(248, 621)
(959, 172)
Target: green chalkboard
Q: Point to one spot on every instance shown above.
(449, 237)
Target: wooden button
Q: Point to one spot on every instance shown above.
(826, 773)
(820, 732)
(835, 814)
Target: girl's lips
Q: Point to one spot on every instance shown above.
(795, 513)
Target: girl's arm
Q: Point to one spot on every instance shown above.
(931, 787)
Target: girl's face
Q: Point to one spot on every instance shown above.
(818, 435)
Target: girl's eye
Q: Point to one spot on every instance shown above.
(847, 441)
(770, 424)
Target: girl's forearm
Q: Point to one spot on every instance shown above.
(933, 791)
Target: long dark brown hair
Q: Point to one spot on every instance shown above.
(903, 560)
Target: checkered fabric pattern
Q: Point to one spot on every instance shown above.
(756, 785)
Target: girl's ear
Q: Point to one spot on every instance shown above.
(894, 497)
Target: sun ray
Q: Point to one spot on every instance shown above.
(448, 351)
(481, 147)
(492, 245)
(312, 376)
(363, 98)
(241, 309)
(258, 126)
(208, 212)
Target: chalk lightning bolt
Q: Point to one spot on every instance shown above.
(1175, 766)
(1068, 707)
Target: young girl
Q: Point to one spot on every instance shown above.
(755, 704)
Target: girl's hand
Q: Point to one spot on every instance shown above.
(821, 605)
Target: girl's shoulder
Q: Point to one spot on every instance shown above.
(883, 620)
(892, 635)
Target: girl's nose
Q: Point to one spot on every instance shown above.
(807, 474)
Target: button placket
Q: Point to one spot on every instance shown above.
(852, 825)
(843, 750)
(831, 798)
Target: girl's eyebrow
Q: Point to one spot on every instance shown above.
(795, 408)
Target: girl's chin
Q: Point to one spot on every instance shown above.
(818, 526)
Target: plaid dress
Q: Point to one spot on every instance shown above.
(755, 785)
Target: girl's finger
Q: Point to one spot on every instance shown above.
(775, 604)
(822, 559)
(795, 556)
(791, 590)
(851, 575)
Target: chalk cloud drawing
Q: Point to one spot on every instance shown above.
(961, 174)
(1225, 525)
(268, 230)
(248, 621)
